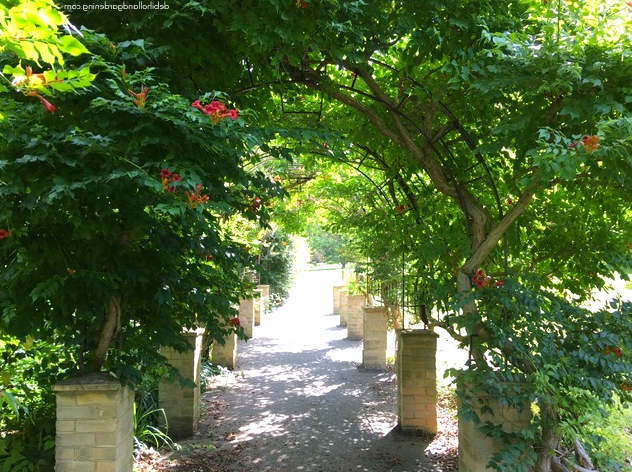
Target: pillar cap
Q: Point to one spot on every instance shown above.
(374, 308)
(417, 332)
(100, 381)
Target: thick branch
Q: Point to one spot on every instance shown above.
(497, 232)
(475, 212)
(550, 440)
(582, 456)
(557, 466)
(109, 331)
(313, 80)
(443, 132)
(576, 467)
(429, 164)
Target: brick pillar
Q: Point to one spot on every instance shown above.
(475, 448)
(265, 297)
(182, 404)
(417, 381)
(344, 297)
(225, 355)
(355, 316)
(258, 305)
(95, 425)
(247, 315)
(375, 331)
(336, 299)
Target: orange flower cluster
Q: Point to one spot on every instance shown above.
(168, 180)
(4, 233)
(216, 110)
(206, 257)
(589, 143)
(613, 350)
(196, 198)
(481, 280)
(140, 98)
(33, 81)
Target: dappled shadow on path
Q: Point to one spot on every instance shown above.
(302, 403)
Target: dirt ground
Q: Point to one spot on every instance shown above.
(299, 401)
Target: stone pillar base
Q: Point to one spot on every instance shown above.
(375, 334)
(95, 425)
(225, 355)
(182, 405)
(475, 448)
(344, 297)
(247, 316)
(336, 299)
(417, 381)
(265, 298)
(258, 306)
(355, 316)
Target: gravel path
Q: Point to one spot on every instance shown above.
(298, 401)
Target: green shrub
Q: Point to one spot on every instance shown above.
(608, 436)
(209, 372)
(278, 264)
(328, 247)
(150, 422)
(29, 369)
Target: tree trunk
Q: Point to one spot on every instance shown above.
(549, 441)
(109, 332)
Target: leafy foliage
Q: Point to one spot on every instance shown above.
(480, 139)
(30, 32)
(327, 247)
(488, 141)
(103, 219)
(278, 264)
(29, 368)
(556, 354)
(150, 421)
